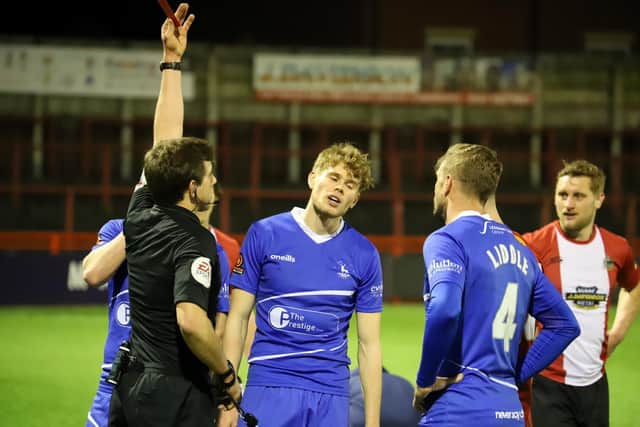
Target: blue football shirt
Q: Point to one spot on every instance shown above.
(307, 288)
(489, 282)
(119, 328)
(223, 294)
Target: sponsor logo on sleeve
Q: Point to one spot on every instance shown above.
(201, 271)
(239, 267)
(443, 265)
(376, 291)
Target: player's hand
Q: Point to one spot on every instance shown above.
(422, 392)
(174, 39)
(227, 417)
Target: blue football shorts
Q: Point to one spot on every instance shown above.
(292, 407)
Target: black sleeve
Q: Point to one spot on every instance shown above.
(193, 278)
(141, 199)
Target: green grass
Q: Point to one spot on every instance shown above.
(51, 356)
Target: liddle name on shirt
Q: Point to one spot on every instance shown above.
(502, 255)
(300, 321)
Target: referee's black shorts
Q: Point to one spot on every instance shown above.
(159, 400)
(560, 405)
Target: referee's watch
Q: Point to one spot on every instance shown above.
(170, 66)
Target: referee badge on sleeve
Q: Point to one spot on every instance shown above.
(201, 271)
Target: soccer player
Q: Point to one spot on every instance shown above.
(105, 263)
(173, 269)
(307, 271)
(480, 282)
(584, 262)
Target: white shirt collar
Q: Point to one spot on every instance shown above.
(298, 216)
(472, 213)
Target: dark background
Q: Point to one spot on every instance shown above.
(501, 25)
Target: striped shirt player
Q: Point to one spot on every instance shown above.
(585, 274)
(584, 261)
(119, 327)
(480, 284)
(306, 287)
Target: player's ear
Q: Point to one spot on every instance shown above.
(599, 200)
(311, 179)
(193, 187)
(448, 184)
(355, 201)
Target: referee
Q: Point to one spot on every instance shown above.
(173, 288)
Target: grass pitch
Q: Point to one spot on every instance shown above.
(51, 356)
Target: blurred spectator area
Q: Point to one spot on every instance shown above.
(67, 164)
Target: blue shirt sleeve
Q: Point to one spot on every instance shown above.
(246, 273)
(369, 296)
(108, 232)
(223, 294)
(560, 327)
(444, 282)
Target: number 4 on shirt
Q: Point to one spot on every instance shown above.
(503, 326)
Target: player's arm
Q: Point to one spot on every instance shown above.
(628, 305)
(443, 307)
(169, 112)
(235, 332)
(221, 322)
(100, 264)
(370, 363)
(443, 311)
(560, 327)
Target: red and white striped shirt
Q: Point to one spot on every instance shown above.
(585, 273)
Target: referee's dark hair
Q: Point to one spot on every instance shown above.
(170, 166)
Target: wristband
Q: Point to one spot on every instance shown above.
(224, 375)
(170, 66)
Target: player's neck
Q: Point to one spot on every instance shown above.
(187, 205)
(320, 224)
(457, 205)
(583, 235)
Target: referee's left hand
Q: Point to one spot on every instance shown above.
(422, 392)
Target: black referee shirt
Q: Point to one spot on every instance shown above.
(171, 259)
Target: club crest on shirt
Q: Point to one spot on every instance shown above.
(343, 273)
(238, 268)
(609, 263)
(201, 271)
